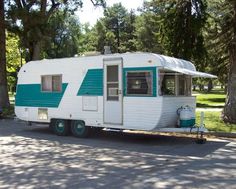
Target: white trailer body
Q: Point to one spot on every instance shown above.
(140, 91)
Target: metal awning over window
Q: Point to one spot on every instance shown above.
(190, 72)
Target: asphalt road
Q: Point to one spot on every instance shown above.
(33, 157)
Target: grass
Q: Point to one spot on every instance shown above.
(214, 99)
(212, 119)
(213, 122)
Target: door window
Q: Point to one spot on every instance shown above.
(112, 83)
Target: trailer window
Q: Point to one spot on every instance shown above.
(174, 84)
(139, 83)
(168, 85)
(184, 83)
(51, 83)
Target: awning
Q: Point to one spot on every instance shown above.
(190, 72)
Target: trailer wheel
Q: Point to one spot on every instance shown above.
(79, 129)
(60, 127)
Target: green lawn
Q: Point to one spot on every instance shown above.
(214, 99)
(213, 122)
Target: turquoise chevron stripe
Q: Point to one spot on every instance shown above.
(30, 95)
(92, 83)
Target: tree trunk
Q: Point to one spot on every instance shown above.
(229, 112)
(36, 51)
(210, 86)
(4, 99)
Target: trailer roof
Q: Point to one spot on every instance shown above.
(166, 62)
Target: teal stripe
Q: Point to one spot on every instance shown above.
(92, 83)
(154, 79)
(30, 95)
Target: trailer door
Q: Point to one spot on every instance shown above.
(113, 97)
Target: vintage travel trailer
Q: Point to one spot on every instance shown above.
(134, 91)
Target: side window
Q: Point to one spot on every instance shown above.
(139, 83)
(51, 83)
(46, 83)
(56, 83)
(184, 85)
(174, 84)
(168, 85)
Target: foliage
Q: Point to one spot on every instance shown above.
(14, 59)
(116, 29)
(147, 31)
(181, 25)
(87, 39)
(217, 37)
(64, 36)
(29, 19)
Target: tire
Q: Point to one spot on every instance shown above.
(60, 127)
(78, 129)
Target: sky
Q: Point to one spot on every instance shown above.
(91, 14)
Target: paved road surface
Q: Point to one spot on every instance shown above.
(32, 157)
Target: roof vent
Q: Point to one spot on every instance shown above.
(107, 50)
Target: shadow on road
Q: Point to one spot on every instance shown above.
(145, 143)
(33, 157)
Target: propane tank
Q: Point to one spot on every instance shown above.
(186, 116)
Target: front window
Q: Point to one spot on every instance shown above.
(139, 83)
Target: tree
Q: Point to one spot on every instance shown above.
(4, 99)
(114, 21)
(29, 19)
(181, 28)
(116, 29)
(229, 112)
(100, 31)
(87, 40)
(64, 36)
(217, 36)
(147, 31)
